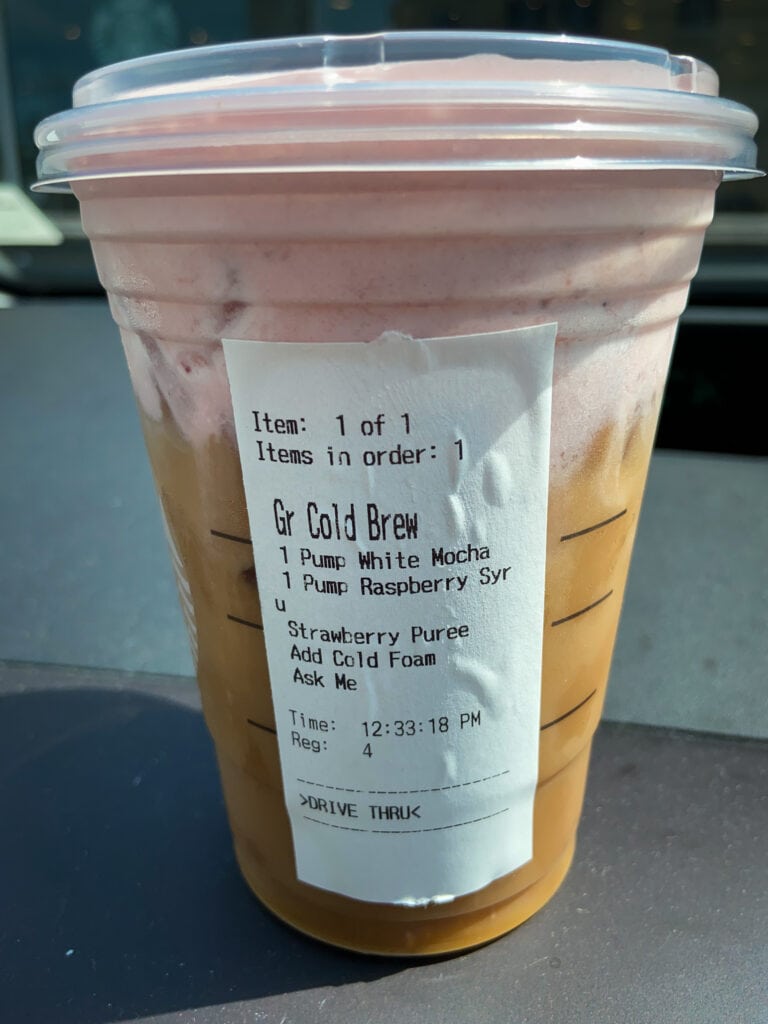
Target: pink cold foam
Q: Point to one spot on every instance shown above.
(328, 278)
(184, 271)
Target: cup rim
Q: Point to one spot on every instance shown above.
(339, 102)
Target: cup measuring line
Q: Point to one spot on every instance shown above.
(258, 725)
(595, 526)
(245, 622)
(582, 611)
(231, 536)
(567, 714)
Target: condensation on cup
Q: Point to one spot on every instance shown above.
(398, 312)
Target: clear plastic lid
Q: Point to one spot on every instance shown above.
(419, 101)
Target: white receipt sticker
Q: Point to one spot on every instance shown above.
(397, 497)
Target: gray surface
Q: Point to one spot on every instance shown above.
(84, 560)
(87, 579)
(121, 900)
(692, 650)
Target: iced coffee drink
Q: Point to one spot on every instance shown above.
(399, 371)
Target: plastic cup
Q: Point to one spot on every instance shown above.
(440, 186)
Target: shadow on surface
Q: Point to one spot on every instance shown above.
(119, 891)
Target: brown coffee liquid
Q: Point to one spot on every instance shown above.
(591, 524)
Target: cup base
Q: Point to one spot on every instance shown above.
(425, 938)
